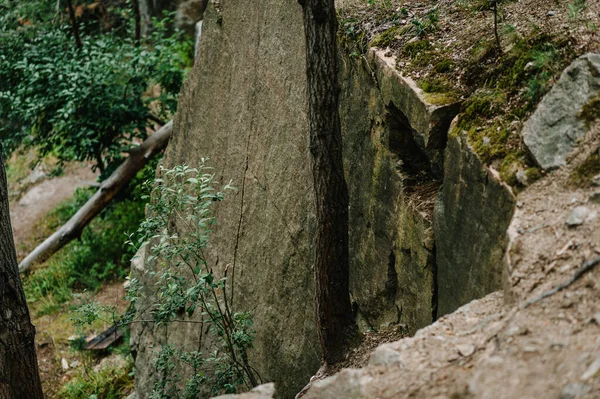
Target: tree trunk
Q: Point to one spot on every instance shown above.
(138, 158)
(138, 21)
(74, 26)
(19, 376)
(334, 313)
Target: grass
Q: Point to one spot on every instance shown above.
(109, 383)
(583, 174)
(99, 256)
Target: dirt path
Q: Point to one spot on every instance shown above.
(40, 199)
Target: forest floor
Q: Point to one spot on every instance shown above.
(33, 195)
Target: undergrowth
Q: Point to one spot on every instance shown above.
(108, 383)
(100, 254)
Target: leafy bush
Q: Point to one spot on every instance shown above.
(177, 232)
(88, 103)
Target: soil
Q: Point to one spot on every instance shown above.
(39, 199)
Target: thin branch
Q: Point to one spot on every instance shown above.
(585, 268)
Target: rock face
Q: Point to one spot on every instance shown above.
(243, 106)
(472, 216)
(553, 130)
(393, 146)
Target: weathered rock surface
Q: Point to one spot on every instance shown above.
(472, 216)
(392, 145)
(553, 130)
(266, 391)
(243, 106)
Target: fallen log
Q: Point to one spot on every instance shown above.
(138, 157)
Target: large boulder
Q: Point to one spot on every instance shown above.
(556, 125)
(244, 107)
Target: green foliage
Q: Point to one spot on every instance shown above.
(89, 103)
(108, 383)
(98, 256)
(176, 233)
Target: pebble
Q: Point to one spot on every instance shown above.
(551, 13)
(64, 363)
(595, 197)
(522, 177)
(596, 180)
(578, 216)
(592, 370)
(465, 349)
(574, 390)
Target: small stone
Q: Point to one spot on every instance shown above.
(64, 363)
(595, 197)
(519, 204)
(595, 318)
(529, 65)
(551, 13)
(592, 370)
(465, 349)
(386, 356)
(574, 390)
(522, 177)
(596, 180)
(578, 216)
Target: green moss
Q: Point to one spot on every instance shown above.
(509, 168)
(533, 174)
(583, 174)
(590, 111)
(387, 37)
(441, 98)
(489, 143)
(420, 52)
(484, 104)
(435, 85)
(444, 66)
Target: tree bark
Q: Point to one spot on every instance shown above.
(138, 21)
(334, 313)
(138, 158)
(74, 26)
(19, 377)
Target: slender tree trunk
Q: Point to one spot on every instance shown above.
(138, 158)
(138, 21)
(495, 10)
(334, 313)
(19, 376)
(74, 26)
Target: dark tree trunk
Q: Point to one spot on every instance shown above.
(19, 376)
(138, 21)
(334, 313)
(74, 26)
